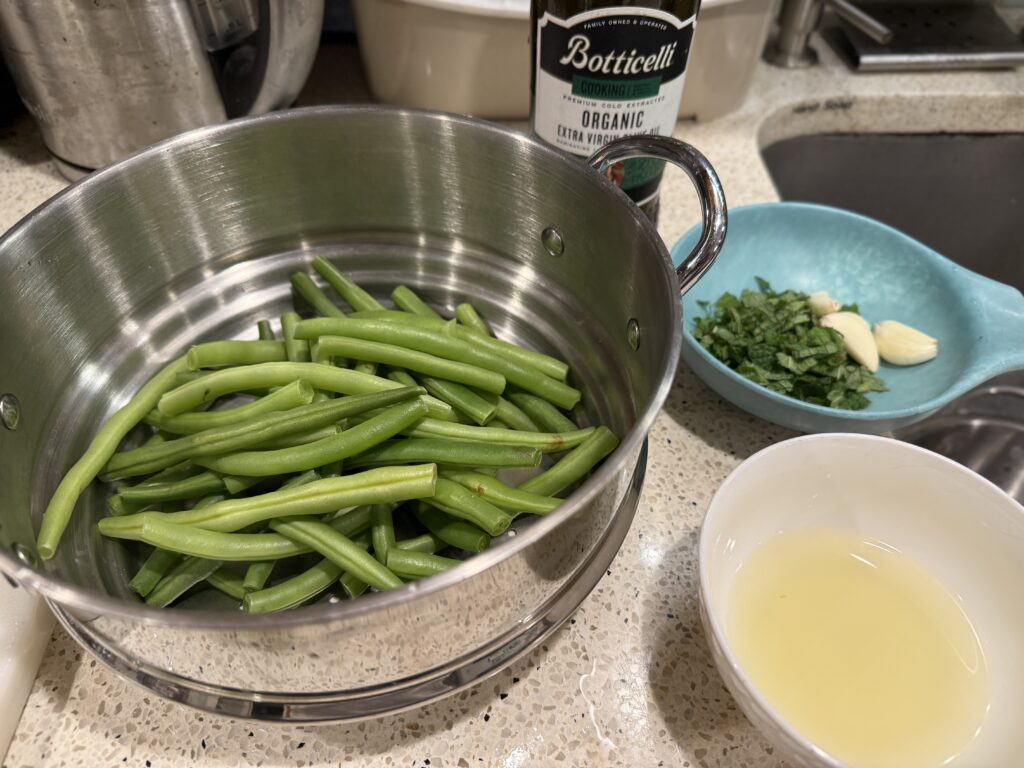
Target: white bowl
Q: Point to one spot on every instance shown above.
(959, 526)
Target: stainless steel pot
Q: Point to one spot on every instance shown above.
(104, 78)
(196, 238)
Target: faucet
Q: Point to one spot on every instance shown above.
(799, 18)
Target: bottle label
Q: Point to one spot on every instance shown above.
(608, 73)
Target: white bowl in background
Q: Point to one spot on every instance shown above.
(958, 525)
(473, 56)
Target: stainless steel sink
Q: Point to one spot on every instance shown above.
(963, 195)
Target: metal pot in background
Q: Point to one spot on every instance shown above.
(103, 78)
(552, 254)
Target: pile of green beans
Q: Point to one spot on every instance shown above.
(352, 451)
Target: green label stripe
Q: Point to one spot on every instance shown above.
(615, 90)
(641, 171)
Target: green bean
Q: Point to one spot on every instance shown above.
(265, 331)
(429, 543)
(256, 575)
(156, 438)
(157, 565)
(382, 531)
(340, 380)
(180, 579)
(302, 588)
(452, 531)
(460, 502)
(574, 465)
(229, 547)
(352, 585)
(315, 355)
(183, 377)
(355, 296)
(338, 549)
(317, 299)
(187, 377)
(219, 354)
(406, 380)
(300, 438)
(417, 565)
(352, 521)
(62, 503)
(295, 350)
(372, 486)
(206, 501)
(178, 471)
(502, 495)
(511, 416)
(160, 561)
(175, 490)
(237, 547)
(407, 300)
(479, 408)
(235, 485)
(293, 592)
(355, 525)
(426, 542)
(537, 361)
(548, 442)
(403, 378)
(467, 315)
(350, 442)
(546, 416)
(248, 433)
(468, 453)
(370, 368)
(289, 396)
(301, 479)
(227, 582)
(411, 360)
(471, 351)
(119, 506)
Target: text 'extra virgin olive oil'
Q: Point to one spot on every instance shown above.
(603, 70)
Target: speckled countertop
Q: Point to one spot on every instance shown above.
(629, 680)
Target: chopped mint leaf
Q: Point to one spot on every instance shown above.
(775, 340)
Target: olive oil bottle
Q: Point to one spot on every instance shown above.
(603, 69)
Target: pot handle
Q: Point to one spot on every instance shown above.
(705, 180)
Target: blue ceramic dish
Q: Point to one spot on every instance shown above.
(978, 322)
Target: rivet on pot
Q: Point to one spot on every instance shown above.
(553, 241)
(26, 555)
(633, 333)
(10, 411)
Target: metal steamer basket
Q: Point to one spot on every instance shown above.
(196, 237)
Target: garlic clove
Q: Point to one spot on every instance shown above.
(822, 304)
(900, 344)
(857, 339)
(854, 317)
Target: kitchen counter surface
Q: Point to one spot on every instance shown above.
(628, 680)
